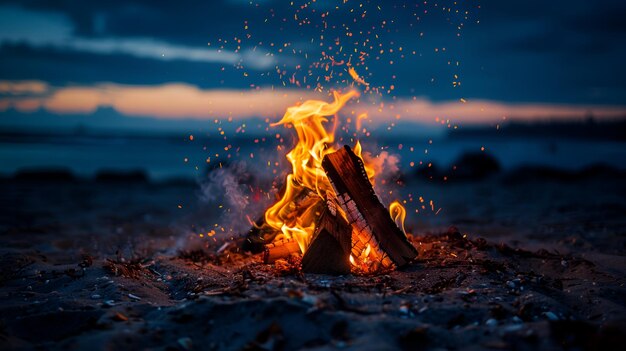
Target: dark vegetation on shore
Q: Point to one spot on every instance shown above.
(587, 129)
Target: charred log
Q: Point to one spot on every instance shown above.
(329, 250)
(367, 215)
(280, 249)
(258, 236)
(261, 234)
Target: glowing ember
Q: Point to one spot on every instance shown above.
(356, 76)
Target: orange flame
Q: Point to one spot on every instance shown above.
(398, 213)
(359, 118)
(369, 169)
(307, 175)
(295, 214)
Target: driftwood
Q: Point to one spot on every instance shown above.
(329, 250)
(371, 221)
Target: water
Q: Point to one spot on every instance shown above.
(167, 157)
(565, 154)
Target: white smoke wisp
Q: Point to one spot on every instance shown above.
(224, 184)
(229, 199)
(387, 167)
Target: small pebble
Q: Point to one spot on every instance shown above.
(134, 297)
(185, 343)
(513, 327)
(491, 322)
(341, 344)
(551, 316)
(310, 299)
(514, 284)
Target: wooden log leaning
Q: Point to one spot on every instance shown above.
(365, 212)
(329, 250)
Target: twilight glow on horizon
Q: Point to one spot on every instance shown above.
(463, 62)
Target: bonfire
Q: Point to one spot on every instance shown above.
(328, 210)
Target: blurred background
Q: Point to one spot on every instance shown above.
(169, 90)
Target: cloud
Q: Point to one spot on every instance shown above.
(23, 87)
(76, 100)
(182, 101)
(168, 101)
(486, 111)
(548, 51)
(45, 29)
(59, 68)
(27, 105)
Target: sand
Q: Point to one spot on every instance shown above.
(534, 264)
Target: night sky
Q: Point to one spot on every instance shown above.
(423, 61)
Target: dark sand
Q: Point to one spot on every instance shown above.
(539, 264)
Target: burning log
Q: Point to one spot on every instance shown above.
(329, 249)
(280, 249)
(372, 223)
(363, 233)
(330, 245)
(261, 233)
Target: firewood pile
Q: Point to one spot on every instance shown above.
(350, 221)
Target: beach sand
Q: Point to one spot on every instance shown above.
(535, 264)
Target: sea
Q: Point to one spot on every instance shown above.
(179, 157)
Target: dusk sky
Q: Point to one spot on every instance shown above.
(426, 61)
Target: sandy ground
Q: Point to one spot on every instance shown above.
(535, 265)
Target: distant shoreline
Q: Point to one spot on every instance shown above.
(589, 129)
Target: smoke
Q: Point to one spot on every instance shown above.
(234, 190)
(387, 167)
(230, 197)
(227, 184)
